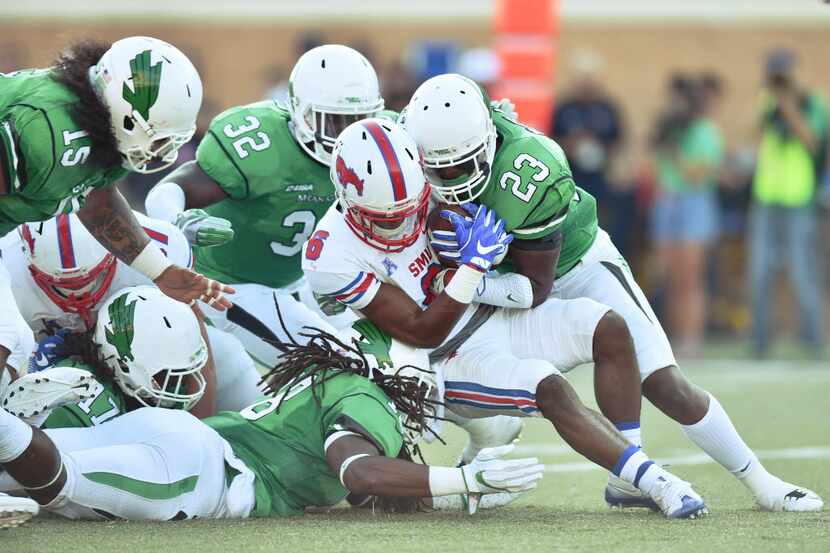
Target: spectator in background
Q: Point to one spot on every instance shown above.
(791, 159)
(587, 125)
(688, 153)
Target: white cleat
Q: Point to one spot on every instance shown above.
(621, 494)
(783, 496)
(38, 393)
(677, 499)
(14, 511)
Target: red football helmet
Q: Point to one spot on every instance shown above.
(68, 264)
(380, 185)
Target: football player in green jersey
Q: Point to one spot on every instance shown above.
(344, 418)
(261, 177)
(144, 350)
(474, 153)
(67, 133)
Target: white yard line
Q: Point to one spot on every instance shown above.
(690, 458)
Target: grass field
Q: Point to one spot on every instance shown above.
(782, 410)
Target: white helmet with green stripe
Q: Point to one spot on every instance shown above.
(153, 93)
(153, 344)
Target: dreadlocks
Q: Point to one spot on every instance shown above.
(80, 345)
(325, 356)
(90, 113)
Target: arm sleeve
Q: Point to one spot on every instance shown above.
(355, 290)
(169, 238)
(368, 416)
(507, 290)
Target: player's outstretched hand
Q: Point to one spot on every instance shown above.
(481, 240)
(490, 473)
(204, 230)
(189, 287)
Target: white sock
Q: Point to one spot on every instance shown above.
(631, 432)
(637, 469)
(716, 435)
(15, 436)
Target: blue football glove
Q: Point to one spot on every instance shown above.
(445, 240)
(49, 351)
(480, 241)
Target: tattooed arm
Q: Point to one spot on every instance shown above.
(110, 220)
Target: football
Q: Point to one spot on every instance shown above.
(436, 221)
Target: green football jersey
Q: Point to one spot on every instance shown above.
(106, 403)
(283, 444)
(277, 193)
(532, 189)
(43, 153)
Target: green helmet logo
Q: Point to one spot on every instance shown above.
(145, 78)
(122, 316)
(375, 342)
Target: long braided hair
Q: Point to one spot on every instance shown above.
(324, 357)
(90, 113)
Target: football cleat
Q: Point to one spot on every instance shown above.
(677, 499)
(621, 494)
(38, 393)
(787, 497)
(14, 511)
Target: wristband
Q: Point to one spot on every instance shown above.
(462, 288)
(446, 481)
(151, 262)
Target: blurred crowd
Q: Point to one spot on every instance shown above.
(707, 226)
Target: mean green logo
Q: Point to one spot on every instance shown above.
(122, 317)
(146, 78)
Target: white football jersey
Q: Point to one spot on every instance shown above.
(40, 312)
(337, 263)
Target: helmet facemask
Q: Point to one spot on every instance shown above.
(391, 230)
(78, 293)
(162, 151)
(460, 180)
(171, 388)
(322, 125)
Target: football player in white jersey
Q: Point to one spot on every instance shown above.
(61, 275)
(370, 251)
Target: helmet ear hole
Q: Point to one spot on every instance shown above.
(128, 123)
(369, 166)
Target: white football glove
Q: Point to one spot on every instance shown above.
(489, 473)
(33, 396)
(202, 229)
(507, 107)
(463, 503)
